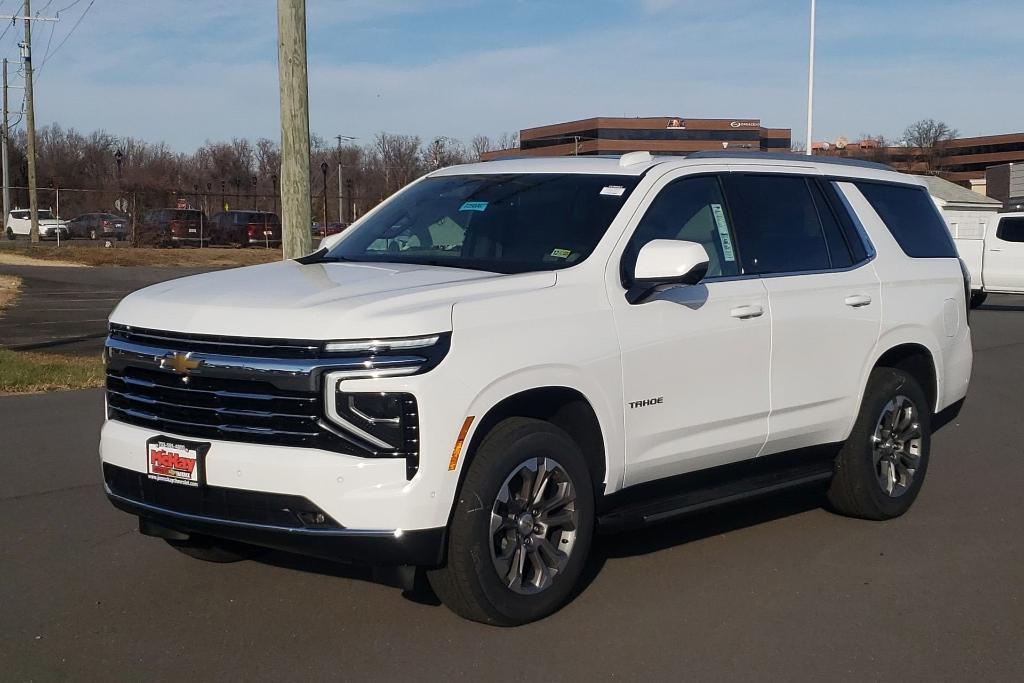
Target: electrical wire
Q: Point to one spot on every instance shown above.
(69, 34)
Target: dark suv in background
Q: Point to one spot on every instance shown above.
(174, 227)
(99, 225)
(245, 228)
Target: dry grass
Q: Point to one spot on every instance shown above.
(9, 288)
(24, 373)
(50, 255)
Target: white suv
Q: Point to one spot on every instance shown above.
(19, 224)
(505, 357)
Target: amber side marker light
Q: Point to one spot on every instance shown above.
(458, 443)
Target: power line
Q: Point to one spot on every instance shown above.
(69, 34)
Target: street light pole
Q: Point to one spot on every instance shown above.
(810, 87)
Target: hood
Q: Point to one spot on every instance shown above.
(317, 301)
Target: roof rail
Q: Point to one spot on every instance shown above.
(783, 156)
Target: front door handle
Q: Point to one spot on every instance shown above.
(995, 249)
(857, 300)
(744, 312)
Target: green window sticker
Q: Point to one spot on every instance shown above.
(473, 206)
(561, 253)
(723, 232)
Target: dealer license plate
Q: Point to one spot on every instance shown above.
(176, 461)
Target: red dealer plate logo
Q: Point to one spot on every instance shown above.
(174, 461)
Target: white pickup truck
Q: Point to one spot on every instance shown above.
(994, 255)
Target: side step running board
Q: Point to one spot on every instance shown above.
(701, 495)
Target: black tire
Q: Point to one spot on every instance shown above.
(10, 234)
(856, 489)
(215, 550)
(978, 298)
(470, 584)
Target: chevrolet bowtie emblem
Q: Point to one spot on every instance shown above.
(181, 363)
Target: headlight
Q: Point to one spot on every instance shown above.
(383, 422)
(375, 346)
(380, 424)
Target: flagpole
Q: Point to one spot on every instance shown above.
(810, 87)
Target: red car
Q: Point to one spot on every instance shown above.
(175, 227)
(246, 228)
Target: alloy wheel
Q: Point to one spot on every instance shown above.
(533, 525)
(896, 446)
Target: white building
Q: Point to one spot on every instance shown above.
(967, 213)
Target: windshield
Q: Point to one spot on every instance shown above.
(501, 223)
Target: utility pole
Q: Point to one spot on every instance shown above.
(341, 179)
(30, 116)
(810, 87)
(30, 125)
(4, 133)
(296, 212)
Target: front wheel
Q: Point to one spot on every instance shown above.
(881, 467)
(522, 527)
(10, 234)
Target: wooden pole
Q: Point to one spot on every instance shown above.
(296, 213)
(30, 127)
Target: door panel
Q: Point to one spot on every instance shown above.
(1004, 256)
(824, 327)
(702, 354)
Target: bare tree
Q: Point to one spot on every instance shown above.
(444, 151)
(479, 145)
(925, 141)
(508, 141)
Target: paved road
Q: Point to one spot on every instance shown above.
(65, 309)
(776, 590)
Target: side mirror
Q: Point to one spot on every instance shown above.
(667, 262)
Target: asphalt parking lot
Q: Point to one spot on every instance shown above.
(65, 309)
(779, 589)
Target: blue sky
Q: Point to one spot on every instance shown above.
(185, 71)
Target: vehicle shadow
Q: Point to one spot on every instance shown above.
(998, 307)
(642, 541)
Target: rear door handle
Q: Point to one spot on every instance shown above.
(744, 312)
(857, 300)
(995, 249)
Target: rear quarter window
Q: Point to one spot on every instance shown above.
(912, 218)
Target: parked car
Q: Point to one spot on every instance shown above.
(174, 227)
(995, 257)
(19, 224)
(246, 228)
(334, 228)
(505, 358)
(96, 226)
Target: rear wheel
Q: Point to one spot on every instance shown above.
(522, 526)
(10, 234)
(882, 466)
(978, 298)
(214, 549)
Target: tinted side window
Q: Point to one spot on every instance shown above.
(691, 209)
(777, 228)
(838, 250)
(1011, 229)
(912, 218)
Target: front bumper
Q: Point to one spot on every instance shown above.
(231, 514)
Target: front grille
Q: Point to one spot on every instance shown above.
(235, 505)
(217, 408)
(250, 347)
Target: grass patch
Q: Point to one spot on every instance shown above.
(49, 254)
(9, 288)
(23, 372)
